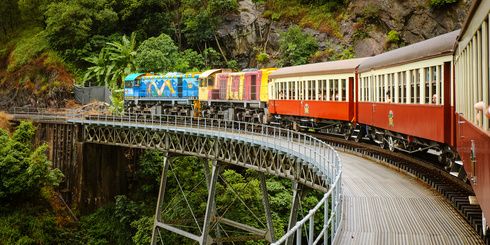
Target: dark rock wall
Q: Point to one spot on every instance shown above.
(106, 172)
(247, 33)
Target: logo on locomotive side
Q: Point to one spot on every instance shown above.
(390, 119)
(159, 91)
(307, 109)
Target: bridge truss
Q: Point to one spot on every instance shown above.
(306, 161)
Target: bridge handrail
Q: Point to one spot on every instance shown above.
(329, 155)
(313, 151)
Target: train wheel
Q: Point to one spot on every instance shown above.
(391, 144)
(383, 143)
(347, 136)
(357, 139)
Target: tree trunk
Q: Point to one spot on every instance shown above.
(220, 50)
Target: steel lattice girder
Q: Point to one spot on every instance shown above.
(258, 157)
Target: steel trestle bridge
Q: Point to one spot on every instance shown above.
(305, 160)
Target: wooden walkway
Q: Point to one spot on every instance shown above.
(382, 206)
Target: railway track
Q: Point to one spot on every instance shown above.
(453, 189)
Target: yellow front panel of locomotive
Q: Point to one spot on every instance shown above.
(264, 84)
(203, 93)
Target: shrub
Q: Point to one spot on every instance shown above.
(25, 170)
(441, 3)
(157, 54)
(371, 12)
(262, 58)
(27, 48)
(296, 47)
(393, 37)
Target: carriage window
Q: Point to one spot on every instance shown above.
(321, 89)
(427, 85)
(301, 88)
(370, 89)
(366, 89)
(311, 88)
(439, 85)
(367, 93)
(336, 90)
(432, 86)
(361, 89)
(277, 90)
(344, 90)
(401, 88)
(392, 86)
(413, 91)
(417, 96)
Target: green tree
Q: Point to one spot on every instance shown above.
(157, 54)
(25, 170)
(296, 47)
(212, 58)
(189, 60)
(33, 10)
(9, 13)
(69, 24)
(114, 62)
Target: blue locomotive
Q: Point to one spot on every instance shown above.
(171, 93)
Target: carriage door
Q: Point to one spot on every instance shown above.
(222, 88)
(253, 87)
(180, 87)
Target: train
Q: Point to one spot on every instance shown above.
(430, 96)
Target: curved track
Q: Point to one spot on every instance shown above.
(382, 206)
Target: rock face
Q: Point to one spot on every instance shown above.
(247, 33)
(414, 20)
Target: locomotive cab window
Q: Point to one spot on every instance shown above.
(128, 84)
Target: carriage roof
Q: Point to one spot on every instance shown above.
(435, 47)
(330, 67)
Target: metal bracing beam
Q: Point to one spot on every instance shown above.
(293, 216)
(252, 230)
(161, 195)
(177, 231)
(207, 174)
(210, 204)
(265, 200)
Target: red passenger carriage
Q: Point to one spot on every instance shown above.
(472, 99)
(406, 97)
(316, 97)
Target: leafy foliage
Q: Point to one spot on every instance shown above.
(441, 3)
(29, 224)
(262, 58)
(93, 17)
(393, 37)
(156, 54)
(25, 170)
(28, 48)
(296, 47)
(113, 63)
